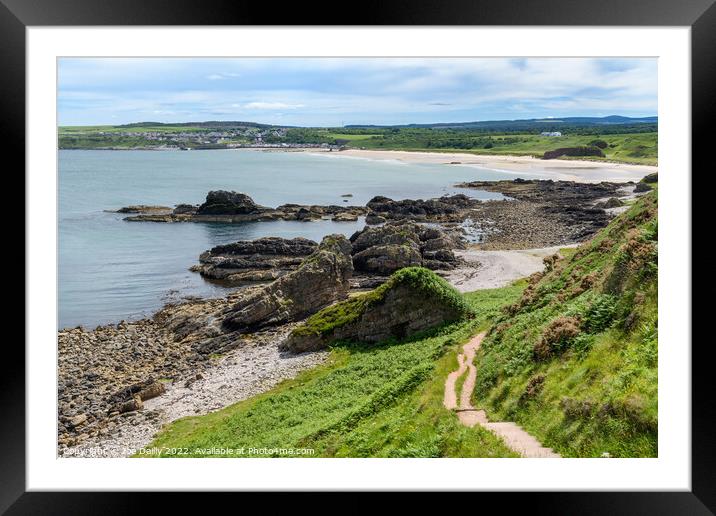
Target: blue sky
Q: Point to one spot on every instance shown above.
(341, 91)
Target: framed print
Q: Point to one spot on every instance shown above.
(418, 253)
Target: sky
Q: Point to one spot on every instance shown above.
(340, 91)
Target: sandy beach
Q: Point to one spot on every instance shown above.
(570, 170)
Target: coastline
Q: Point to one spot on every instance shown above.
(568, 170)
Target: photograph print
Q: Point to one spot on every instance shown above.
(357, 257)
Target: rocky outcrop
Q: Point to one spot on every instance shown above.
(222, 202)
(233, 207)
(264, 259)
(385, 249)
(321, 279)
(447, 208)
(412, 300)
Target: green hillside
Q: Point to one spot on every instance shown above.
(575, 360)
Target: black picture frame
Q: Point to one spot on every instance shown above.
(700, 15)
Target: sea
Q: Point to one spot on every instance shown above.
(111, 270)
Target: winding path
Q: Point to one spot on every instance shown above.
(514, 436)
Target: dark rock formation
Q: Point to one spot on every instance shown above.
(232, 207)
(412, 300)
(444, 208)
(321, 279)
(222, 202)
(384, 259)
(264, 259)
(651, 178)
(387, 248)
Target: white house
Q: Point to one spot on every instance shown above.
(554, 133)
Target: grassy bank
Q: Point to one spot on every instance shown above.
(368, 401)
(575, 360)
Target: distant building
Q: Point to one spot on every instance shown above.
(553, 133)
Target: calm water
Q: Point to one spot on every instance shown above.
(111, 270)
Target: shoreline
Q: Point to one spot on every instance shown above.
(570, 170)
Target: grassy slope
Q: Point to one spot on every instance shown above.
(367, 401)
(596, 391)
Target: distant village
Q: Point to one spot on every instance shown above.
(249, 137)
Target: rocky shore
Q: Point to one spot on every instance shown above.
(543, 213)
(108, 374)
(119, 383)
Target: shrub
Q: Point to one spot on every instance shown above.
(533, 388)
(556, 337)
(599, 143)
(573, 151)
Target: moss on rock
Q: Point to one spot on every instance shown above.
(413, 299)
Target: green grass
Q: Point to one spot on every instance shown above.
(599, 384)
(640, 148)
(367, 401)
(350, 137)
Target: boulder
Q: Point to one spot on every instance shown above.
(130, 406)
(412, 300)
(321, 279)
(152, 391)
(384, 259)
(384, 235)
(78, 420)
(612, 202)
(222, 202)
(651, 178)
